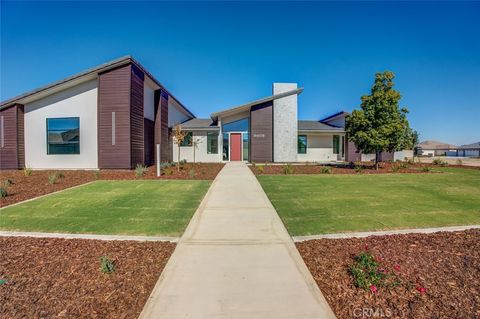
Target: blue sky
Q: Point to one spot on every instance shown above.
(215, 55)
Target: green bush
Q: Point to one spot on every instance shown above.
(395, 168)
(288, 169)
(358, 169)
(96, 174)
(140, 170)
(261, 169)
(168, 171)
(52, 178)
(3, 192)
(183, 162)
(367, 273)
(7, 183)
(439, 162)
(107, 266)
(326, 170)
(27, 171)
(426, 169)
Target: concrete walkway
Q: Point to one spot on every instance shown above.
(236, 260)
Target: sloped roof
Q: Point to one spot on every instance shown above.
(433, 145)
(473, 145)
(333, 116)
(305, 125)
(199, 124)
(247, 106)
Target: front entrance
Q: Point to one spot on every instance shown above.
(236, 146)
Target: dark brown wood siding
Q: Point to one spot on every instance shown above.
(8, 138)
(261, 132)
(149, 143)
(351, 154)
(21, 135)
(114, 95)
(136, 117)
(161, 125)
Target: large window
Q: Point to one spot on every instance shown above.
(225, 146)
(245, 146)
(302, 144)
(212, 143)
(187, 141)
(63, 135)
(336, 144)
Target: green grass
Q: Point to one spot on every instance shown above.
(322, 204)
(111, 207)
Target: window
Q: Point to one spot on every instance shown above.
(245, 146)
(63, 136)
(225, 147)
(343, 146)
(336, 144)
(236, 126)
(212, 143)
(302, 144)
(187, 141)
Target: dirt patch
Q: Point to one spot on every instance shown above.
(37, 184)
(61, 278)
(439, 274)
(341, 168)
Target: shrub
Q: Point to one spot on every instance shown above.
(287, 169)
(3, 192)
(7, 183)
(367, 273)
(403, 165)
(395, 168)
(411, 161)
(183, 162)
(191, 173)
(261, 169)
(140, 170)
(459, 162)
(52, 178)
(426, 169)
(107, 266)
(358, 169)
(27, 171)
(326, 170)
(96, 174)
(440, 162)
(168, 171)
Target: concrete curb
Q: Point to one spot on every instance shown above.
(87, 236)
(386, 232)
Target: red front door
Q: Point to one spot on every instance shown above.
(235, 146)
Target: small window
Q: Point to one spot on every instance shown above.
(336, 144)
(63, 136)
(212, 143)
(187, 141)
(302, 144)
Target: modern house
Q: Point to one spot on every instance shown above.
(115, 115)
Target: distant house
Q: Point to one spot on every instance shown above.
(436, 148)
(469, 150)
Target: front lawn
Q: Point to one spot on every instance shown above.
(141, 207)
(321, 204)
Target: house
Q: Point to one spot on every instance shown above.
(117, 115)
(436, 148)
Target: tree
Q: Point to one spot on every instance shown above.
(180, 136)
(381, 125)
(195, 142)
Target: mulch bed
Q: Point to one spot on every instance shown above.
(61, 278)
(366, 168)
(37, 184)
(446, 264)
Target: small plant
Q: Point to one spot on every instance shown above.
(191, 173)
(368, 273)
(140, 170)
(52, 178)
(168, 171)
(426, 169)
(326, 170)
(3, 192)
(459, 162)
(261, 169)
(27, 171)
(183, 162)
(287, 169)
(7, 183)
(3, 281)
(439, 162)
(395, 168)
(96, 174)
(411, 161)
(358, 169)
(107, 266)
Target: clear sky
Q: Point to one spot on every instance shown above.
(216, 55)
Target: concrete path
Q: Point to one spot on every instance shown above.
(236, 260)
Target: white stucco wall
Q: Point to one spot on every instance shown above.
(319, 149)
(148, 102)
(176, 114)
(285, 124)
(201, 155)
(78, 101)
(401, 155)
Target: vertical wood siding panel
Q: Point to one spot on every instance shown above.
(137, 118)
(351, 154)
(166, 154)
(114, 95)
(261, 132)
(9, 151)
(21, 136)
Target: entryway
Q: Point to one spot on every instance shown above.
(235, 146)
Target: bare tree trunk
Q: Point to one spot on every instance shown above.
(377, 158)
(178, 161)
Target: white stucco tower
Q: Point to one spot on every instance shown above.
(285, 124)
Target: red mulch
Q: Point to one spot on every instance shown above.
(447, 264)
(26, 187)
(367, 168)
(61, 278)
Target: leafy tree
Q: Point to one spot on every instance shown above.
(180, 136)
(381, 125)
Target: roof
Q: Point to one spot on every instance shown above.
(430, 144)
(81, 77)
(304, 125)
(473, 145)
(333, 116)
(199, 124)
(247, 106)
